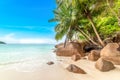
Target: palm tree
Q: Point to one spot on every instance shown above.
(89, 9)
(67, 17)
(62, 17)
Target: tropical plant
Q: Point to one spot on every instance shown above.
(85, 19)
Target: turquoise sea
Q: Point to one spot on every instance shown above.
(26, 54)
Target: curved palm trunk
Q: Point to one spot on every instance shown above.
(93, 26)
(67, 39)
(87, 36)
(65, 42)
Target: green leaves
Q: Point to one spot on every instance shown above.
(89, 16)
(107, 26)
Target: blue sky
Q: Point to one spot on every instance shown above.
(26, 21)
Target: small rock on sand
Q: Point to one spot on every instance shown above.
(50, 63)
(75, 69)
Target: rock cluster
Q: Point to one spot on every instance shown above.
(105, 58)
(110, 55)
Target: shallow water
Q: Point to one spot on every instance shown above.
(26, 55)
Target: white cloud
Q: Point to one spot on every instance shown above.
(10, 38)
(37, 41)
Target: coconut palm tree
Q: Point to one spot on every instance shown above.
(67, 15)
(70, 15)
(89, 9)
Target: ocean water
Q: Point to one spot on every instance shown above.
(25, 56)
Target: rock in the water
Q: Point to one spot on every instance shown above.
(75, 69)
(94, 55)
(70, 49)
(50, 63)
(104, 65)
(76, 57)
(111, 52)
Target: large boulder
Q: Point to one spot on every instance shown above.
(111, 52)
(75, 69)
(70, 49)
(94, 55)
(104, 65)
(64, 52)
(111, 49)
(114, 60)
(76, 57)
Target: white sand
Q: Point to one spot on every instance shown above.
(58, 72)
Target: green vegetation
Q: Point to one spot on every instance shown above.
(2, 42)
(87, 20)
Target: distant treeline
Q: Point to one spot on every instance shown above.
(1, 42)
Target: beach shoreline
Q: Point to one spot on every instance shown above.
(58, 71)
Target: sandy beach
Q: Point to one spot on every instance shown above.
(34, 34)
(58, 72)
